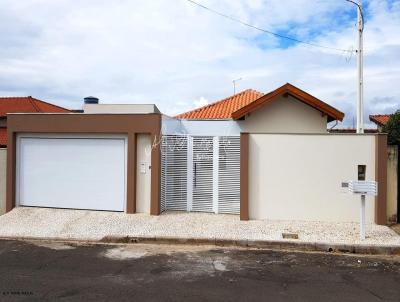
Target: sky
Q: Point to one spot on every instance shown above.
(179, 56)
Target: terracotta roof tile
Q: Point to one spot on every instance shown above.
(3, 137)
(350, 130)
(238, 105)
(26, 105)
(224, 108)
(380, 119)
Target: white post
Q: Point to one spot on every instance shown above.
(234, 84)
(360, 87)
(362, 218)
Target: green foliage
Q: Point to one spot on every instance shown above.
(392, 128)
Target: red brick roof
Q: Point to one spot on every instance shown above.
(351, 130)
(380, 119)
(3, 137)
(247, 101)
(224, 108)
(26, 105)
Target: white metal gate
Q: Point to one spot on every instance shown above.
(229, 175)
(202, 200)
(200, 173)
(174, 172)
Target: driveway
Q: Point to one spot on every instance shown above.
(95, 225)
(43, 271)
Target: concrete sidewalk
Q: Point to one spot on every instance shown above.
(41, 223)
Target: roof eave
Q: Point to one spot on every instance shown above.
(373, 119)
(332, 113)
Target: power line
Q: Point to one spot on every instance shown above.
(265, 30)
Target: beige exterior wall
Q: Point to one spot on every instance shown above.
(120, 108)
(298, 177)
(3, 168)
(392, 175)
(143, 173)
(286, 115)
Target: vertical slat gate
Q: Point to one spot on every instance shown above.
(202, 174)
(229, 175)
(174, 172)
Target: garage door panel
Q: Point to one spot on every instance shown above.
(81, 173)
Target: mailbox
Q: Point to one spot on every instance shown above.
(363, 187)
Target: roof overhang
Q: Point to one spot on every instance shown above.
(288, 89)
(379, 119)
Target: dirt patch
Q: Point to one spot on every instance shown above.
(396, 228)
(124, 253)
(58, 246)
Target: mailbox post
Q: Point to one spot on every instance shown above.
(363, 187)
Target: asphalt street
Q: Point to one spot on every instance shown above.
(40, 271)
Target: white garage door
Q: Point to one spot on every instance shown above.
(69, 172)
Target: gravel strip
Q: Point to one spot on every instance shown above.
(94, 225)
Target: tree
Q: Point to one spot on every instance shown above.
(392, 128)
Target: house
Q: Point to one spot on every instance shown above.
(17, 105)
(22, 105)
(393, 167)
(286, 109)
(380, 120)
(256, 155)
(350, 130)
(282, 162)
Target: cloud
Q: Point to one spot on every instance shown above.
(200, 102)
(171, 53)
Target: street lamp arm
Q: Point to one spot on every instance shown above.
(360, 10)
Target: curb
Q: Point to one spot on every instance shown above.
(262, 244)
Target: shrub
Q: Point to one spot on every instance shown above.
(392, 128)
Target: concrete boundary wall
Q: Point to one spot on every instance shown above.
(299, 176)
(3, 169)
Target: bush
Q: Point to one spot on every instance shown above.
(392, 128)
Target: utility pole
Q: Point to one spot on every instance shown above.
(360, 62)
(234, 84)
(360, 99)
(360, 96)
(360, 67)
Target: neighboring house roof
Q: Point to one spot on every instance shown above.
(27, 105)
(351, 130)
(245, 102)
(380, 119)
(3, 137)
